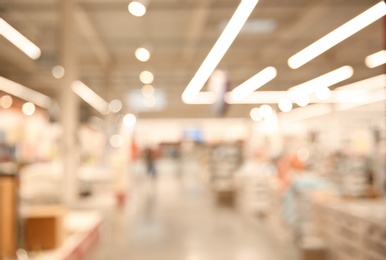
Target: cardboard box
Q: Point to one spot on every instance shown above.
(44, 227)
(313, 248)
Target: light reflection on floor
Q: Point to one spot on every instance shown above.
(177, 219)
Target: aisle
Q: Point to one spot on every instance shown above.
(176, 219)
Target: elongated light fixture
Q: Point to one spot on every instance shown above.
(323, 81)
(303, 113)
(219, 49)
(25, 93)
(376, 59)
(90, 97)
(257, 81)
(19, 40)
(338, 35)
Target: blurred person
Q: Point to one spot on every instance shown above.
(149, 157)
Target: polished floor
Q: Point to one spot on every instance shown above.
(177, 218)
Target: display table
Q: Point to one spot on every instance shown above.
(353, 229)
(83, 229)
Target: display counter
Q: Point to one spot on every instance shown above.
(353, 229)
(82, 230)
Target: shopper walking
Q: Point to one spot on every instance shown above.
(150, 163)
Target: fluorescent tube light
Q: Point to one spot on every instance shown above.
(303, 113)
(90, 97)
(323, 81)
(376, 59)
(338, 35)
(369, 84)
(204, 98)
(338, 95)
(19, 40)
(25, 93)
(368, 98)
(254, 83)
(258, 97)
(219, 49)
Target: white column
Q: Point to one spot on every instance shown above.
(69, 102)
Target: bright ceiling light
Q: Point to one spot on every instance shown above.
(265, 111)
(149, 101)
(115, 105)
(323, 93)
(338, 35)
(376, 59)
(285, 105)
(302, 100)
(146, 77)
(58, 72)
(19, 40)
(116, 141)
(323, 81)
(137, 8)
(129, 120)
(255, 114)
(254, 83)
(6, 101)
(219, 49)
(90, 97)
(142, 54)
(147, 91)
(28, 108)
(25, 93)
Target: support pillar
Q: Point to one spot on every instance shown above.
(69, 102)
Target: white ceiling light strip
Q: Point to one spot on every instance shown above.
(204, 98)
(19, 40)
(369, 84)
(89, 96)
(303, 113)
(338, 35)
(258, 97)
(342, 94)
(257, 81)
(219, 49)
(363, 99)
(324, 81)
(376, 59)
(25, 93)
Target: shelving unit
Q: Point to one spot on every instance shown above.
(353, 230)
(224, 161)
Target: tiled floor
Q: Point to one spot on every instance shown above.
(174, 219)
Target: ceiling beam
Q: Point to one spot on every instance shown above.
(196, 28)
(93, 37)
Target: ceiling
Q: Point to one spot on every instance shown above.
(180, 33)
